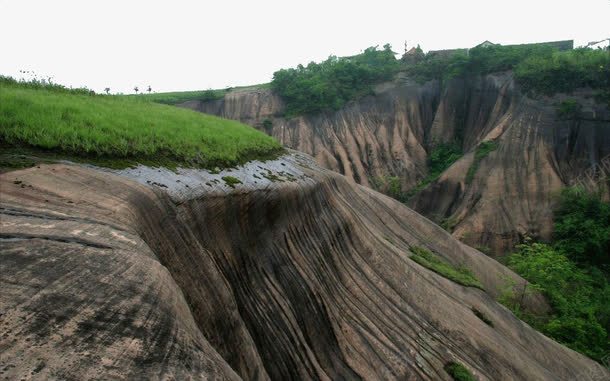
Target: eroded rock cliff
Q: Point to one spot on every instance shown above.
(294, 273)
(392, 133)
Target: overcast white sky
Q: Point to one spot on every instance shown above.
(190, 45)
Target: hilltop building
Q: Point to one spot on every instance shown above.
(413, 55)
(486, 44)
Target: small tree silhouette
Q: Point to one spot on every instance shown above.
(136, 89)
(149, 89)
(107, 90)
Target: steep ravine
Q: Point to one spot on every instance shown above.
(296, 273)
(393, 132)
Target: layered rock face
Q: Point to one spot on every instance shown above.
(366, 141)
(296, 273)
(513, 191)
(392, 133)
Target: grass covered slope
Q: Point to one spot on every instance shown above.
(75, 123)
(172, 98)
(175, 97)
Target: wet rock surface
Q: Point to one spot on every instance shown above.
(108, 275)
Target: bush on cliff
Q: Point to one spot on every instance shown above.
(476, 61)
(565, 71)
(580, 298)
(537, 68)
(573, 273)
(328, 85)
(582, 228)
(441, 157)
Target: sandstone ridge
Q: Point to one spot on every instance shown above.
(294, 272)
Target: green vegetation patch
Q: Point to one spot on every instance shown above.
(441, 157)
(582, 228)
(573, 272)
(123, 129)
(328, 85)
(175, 97)
(537, 68)
(569, 110)
(481, 152)
(459, 275)
(458, 372)
(565, 71)
(476, 61)
(389, 185)
(231, 181)
(449, 223)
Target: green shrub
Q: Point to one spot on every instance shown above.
(537, 68)
(389, 185)
(441, 157)
(582, 228)
(459, 275)
(476, 61)
(565, 71)
(573, 273)
(481, 152)
(330, 84)
(449, 223)
(579, 297)
(569, 110)
(458, 372)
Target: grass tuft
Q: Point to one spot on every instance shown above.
(459, 275)
(231, 181)
(482, 151)
(459, 372)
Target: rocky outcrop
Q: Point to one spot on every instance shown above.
(294, 273)
(392, 133)
(367, 141)
(513, 191)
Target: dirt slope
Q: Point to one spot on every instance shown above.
(296, 273)
(392, 133)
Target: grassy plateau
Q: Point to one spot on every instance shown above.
(124, 130)
(175, 97)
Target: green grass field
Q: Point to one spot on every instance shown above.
(172, 98)
(115, 129)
